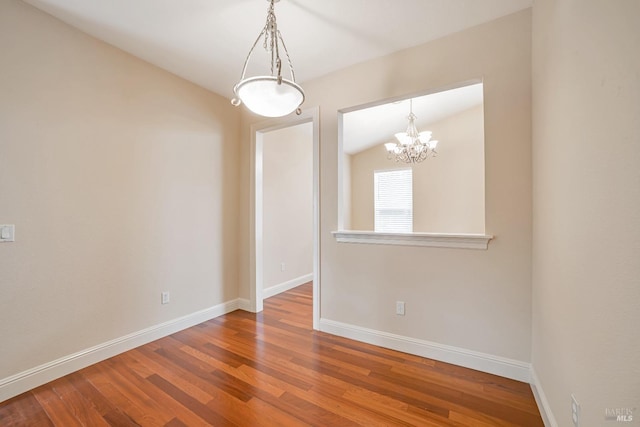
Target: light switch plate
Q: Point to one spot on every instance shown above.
(7, 233)
(165, 298)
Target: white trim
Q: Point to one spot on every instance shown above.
(541, 399)
(418, 94)
(315, 117)
(34, 377)
(285, 286)
(436, 240)
(255, 295)
(496, 365)
(341, 209)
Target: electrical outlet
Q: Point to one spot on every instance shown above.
(165, 298)
(400, 308)
(575, 411)
(282, 266)
(7, 233)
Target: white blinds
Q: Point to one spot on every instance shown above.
(393, 200)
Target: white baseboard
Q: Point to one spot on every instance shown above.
(34, 377)
(283, 287)
(496, 365)
(541, 399)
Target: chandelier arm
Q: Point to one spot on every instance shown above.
(284, 46)
(246, 61)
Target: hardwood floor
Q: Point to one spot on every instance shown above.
(271, 369)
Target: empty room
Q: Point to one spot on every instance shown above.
(319, 213)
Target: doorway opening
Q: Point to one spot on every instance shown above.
(279, 264)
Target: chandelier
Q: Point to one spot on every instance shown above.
(273, 95)
(411, 146)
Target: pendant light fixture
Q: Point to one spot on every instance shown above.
(272, 95)
(411, 146)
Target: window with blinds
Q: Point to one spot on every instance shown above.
(393, 201)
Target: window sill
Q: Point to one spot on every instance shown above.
(436, 240)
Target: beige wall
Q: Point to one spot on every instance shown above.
(478, 300)
(586, 156)
(448, 190)
(121, 180)
(287, 204)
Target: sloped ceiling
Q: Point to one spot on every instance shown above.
(375, 125)
(207, 41)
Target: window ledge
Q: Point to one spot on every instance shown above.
(437, 240)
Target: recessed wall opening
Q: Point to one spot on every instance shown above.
(448, 190)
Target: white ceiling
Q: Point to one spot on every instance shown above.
(206, 41)
(376, 125)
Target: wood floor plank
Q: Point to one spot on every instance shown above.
(313, 414)
(437, 377)
(189, 382)
(81, 408)
(23, 410)
(271, 369)
(248, 374)
(168, 372)
(103, 404)
(55, 408)
(273, 416)
(334, 401)
(158, 395)
(479, 420)
(203, 411)
(124, 397)
(271, 364)
(399, 410)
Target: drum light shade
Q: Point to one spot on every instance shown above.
(265, 96)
